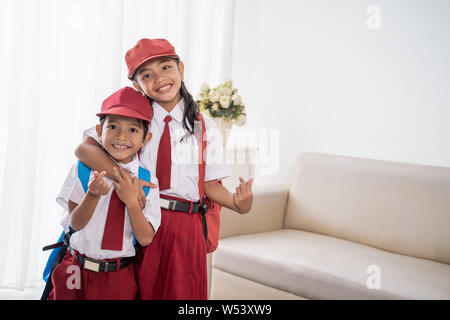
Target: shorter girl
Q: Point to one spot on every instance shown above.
(100, 261)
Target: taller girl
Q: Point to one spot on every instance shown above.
(173, 266)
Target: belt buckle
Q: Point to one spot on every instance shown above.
(91, 265)
(168, 204)
(165, 203)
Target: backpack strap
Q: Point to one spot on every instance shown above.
(202, 144)
(59, 250)
(84, 173)
(145, 175)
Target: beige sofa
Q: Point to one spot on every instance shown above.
(346, 228)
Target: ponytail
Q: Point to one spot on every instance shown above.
(191, 109)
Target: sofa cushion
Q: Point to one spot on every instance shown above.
(227, 286)
(321, 267)
(398, 207)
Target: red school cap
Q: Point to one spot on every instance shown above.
(146, 49)
(129, 103)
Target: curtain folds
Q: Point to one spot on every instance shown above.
(58, 61)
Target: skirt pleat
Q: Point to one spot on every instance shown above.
(173, 266)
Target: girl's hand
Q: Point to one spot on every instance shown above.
(97, 185)
(142, 183)
(127, 187)
(243, 198)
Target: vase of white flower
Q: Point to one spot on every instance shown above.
(223, 105)
(224, 127)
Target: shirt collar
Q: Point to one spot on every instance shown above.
(132, 166)
(159, 113)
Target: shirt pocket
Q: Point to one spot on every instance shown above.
(185, 152)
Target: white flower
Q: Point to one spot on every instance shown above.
(228, 83)
(225, 101)
(198, 97)
(242, 120)
(204, 87)
(225, 91)
(215, 107)
(215, 96)
(236, 99)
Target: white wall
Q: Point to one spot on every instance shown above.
(314, 71)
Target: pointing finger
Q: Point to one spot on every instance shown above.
(144, 183)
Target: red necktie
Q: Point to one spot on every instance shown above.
(164, 160)
(113, 232)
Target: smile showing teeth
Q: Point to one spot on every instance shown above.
(119, 146)
(165, 88)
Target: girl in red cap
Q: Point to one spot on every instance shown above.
(173, 266)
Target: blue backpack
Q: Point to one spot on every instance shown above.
(60, 247)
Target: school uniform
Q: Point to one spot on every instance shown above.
(88, 244)
(173, 266)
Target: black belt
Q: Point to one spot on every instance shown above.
(101, 265)
(188, 206)
(182, 206)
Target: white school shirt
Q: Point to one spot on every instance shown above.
(88, 240)
(184, 169)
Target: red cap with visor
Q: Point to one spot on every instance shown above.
(129, 103)
(146, 49)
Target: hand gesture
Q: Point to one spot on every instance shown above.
(243, 198)
(142, 183)
(97, 185)
(127, 187)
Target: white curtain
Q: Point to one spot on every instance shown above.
(58, 61)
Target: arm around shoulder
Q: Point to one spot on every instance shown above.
(92, 155)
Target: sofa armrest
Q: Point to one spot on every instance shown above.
(267, 213)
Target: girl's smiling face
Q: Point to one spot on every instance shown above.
(160, 79)
(122, 137)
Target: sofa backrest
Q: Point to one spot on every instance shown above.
(398, 207)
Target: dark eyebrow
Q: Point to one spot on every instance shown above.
(138, 122)
(143, 70)
(135, 121)
(164, 60)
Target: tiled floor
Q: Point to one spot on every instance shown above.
(26, 294)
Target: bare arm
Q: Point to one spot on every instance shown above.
(82, 213)
(91, 153)
(241, 201)
(142, 229)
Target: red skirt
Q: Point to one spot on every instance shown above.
(73, 282)
(173, 266)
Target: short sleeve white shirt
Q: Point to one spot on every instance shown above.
(88, 240)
